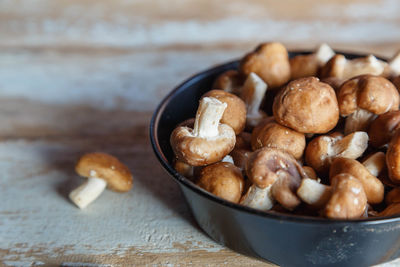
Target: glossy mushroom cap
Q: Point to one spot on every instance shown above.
(222, 179)
(270, 61)
(307, 106)
(229, 81)
(383, 128)
(106, 167)
(235, 112)
(348, 200)
(275, 135)
(373, 187)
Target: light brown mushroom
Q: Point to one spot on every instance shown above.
(270, 61)
(310, 172)
(102, 170)
(363, 97)
(230, 81)
(253, 92)
(307, 106)
(314, 193)
(222, 179)
(383, 128)
(275, 135)
(340, 67)
(373, 187)
(209, 141)
(334, 82)
(393, 196)
(393, 158)
(375, 163)
(321, 151)
(272, 167)
(348, 200)
(308, 65)
(184, 168)
(235, 112)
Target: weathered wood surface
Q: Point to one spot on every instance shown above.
(81, 76)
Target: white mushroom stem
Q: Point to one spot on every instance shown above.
(323, 54)
(314, 193)
(358, 121)
(253, 92)
(394, 65)
(229, 159)
(87, 192)
(257, 198)
(376, 163)
(208, 115)
(351, 146)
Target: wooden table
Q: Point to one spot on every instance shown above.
(80, 76)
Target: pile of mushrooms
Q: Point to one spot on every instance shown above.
(329, 148)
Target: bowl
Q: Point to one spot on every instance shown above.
(283, 239)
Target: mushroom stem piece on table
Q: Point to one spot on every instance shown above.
(101, 170)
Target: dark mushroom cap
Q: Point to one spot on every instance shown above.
(383, 128)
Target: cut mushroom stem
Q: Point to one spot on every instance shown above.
(376, 163)
(87, 192)
(208, 115)
(394, 65)
(257, 198)
(253, 93)
(323, 54)
(358, 121)
(314, 193)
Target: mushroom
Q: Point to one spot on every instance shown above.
(392, 209)
(222, 179)
(229, 81)
(383, 128)
(275, 135)
(242, 150)
(235, 112)
(270, 61)
(373, 187)
(314, 193)
(393, 196)
(323, 149)
(102, 170)
(392, 69)
(258, 198)
(375, 163)
(334, 82)
(184, 168)
(253, 92)
(348, 200)
(243, 141)
(273, 167)
(393, 158)
(307, 106)
(308, 65)
(209, 141)
(310, 173)
(340, 67)
(363, 97)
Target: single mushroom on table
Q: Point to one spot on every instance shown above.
(383, 128)
(229, 81)
(209, 141)
(222, 179)
(235, 112)
(308, 65)
(307, 106)
(321, 151)
(101, 170)
(278, 170)
(340, 67)
(373, 187)
(348, 199)
(364, 97)
(270, 61)
(253, 92)
(274, 135)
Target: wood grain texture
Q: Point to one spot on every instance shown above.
(82, 76)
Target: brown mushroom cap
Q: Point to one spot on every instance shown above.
(222, 179)
(383, 128)
(393, 196)
(307, 106)
(270, 61)
(275, 135)
(392, 209)
(373, 187)
(243, 141)
(393, 158)
(235, 112)
(310, 172)
(303, 66)
(229, 81)
(348, 199)
(106, 167)
(265, 163)
(334, 82)
(372, 93)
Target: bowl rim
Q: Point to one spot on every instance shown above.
(241, 208)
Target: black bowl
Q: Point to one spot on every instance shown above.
(283, 239)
